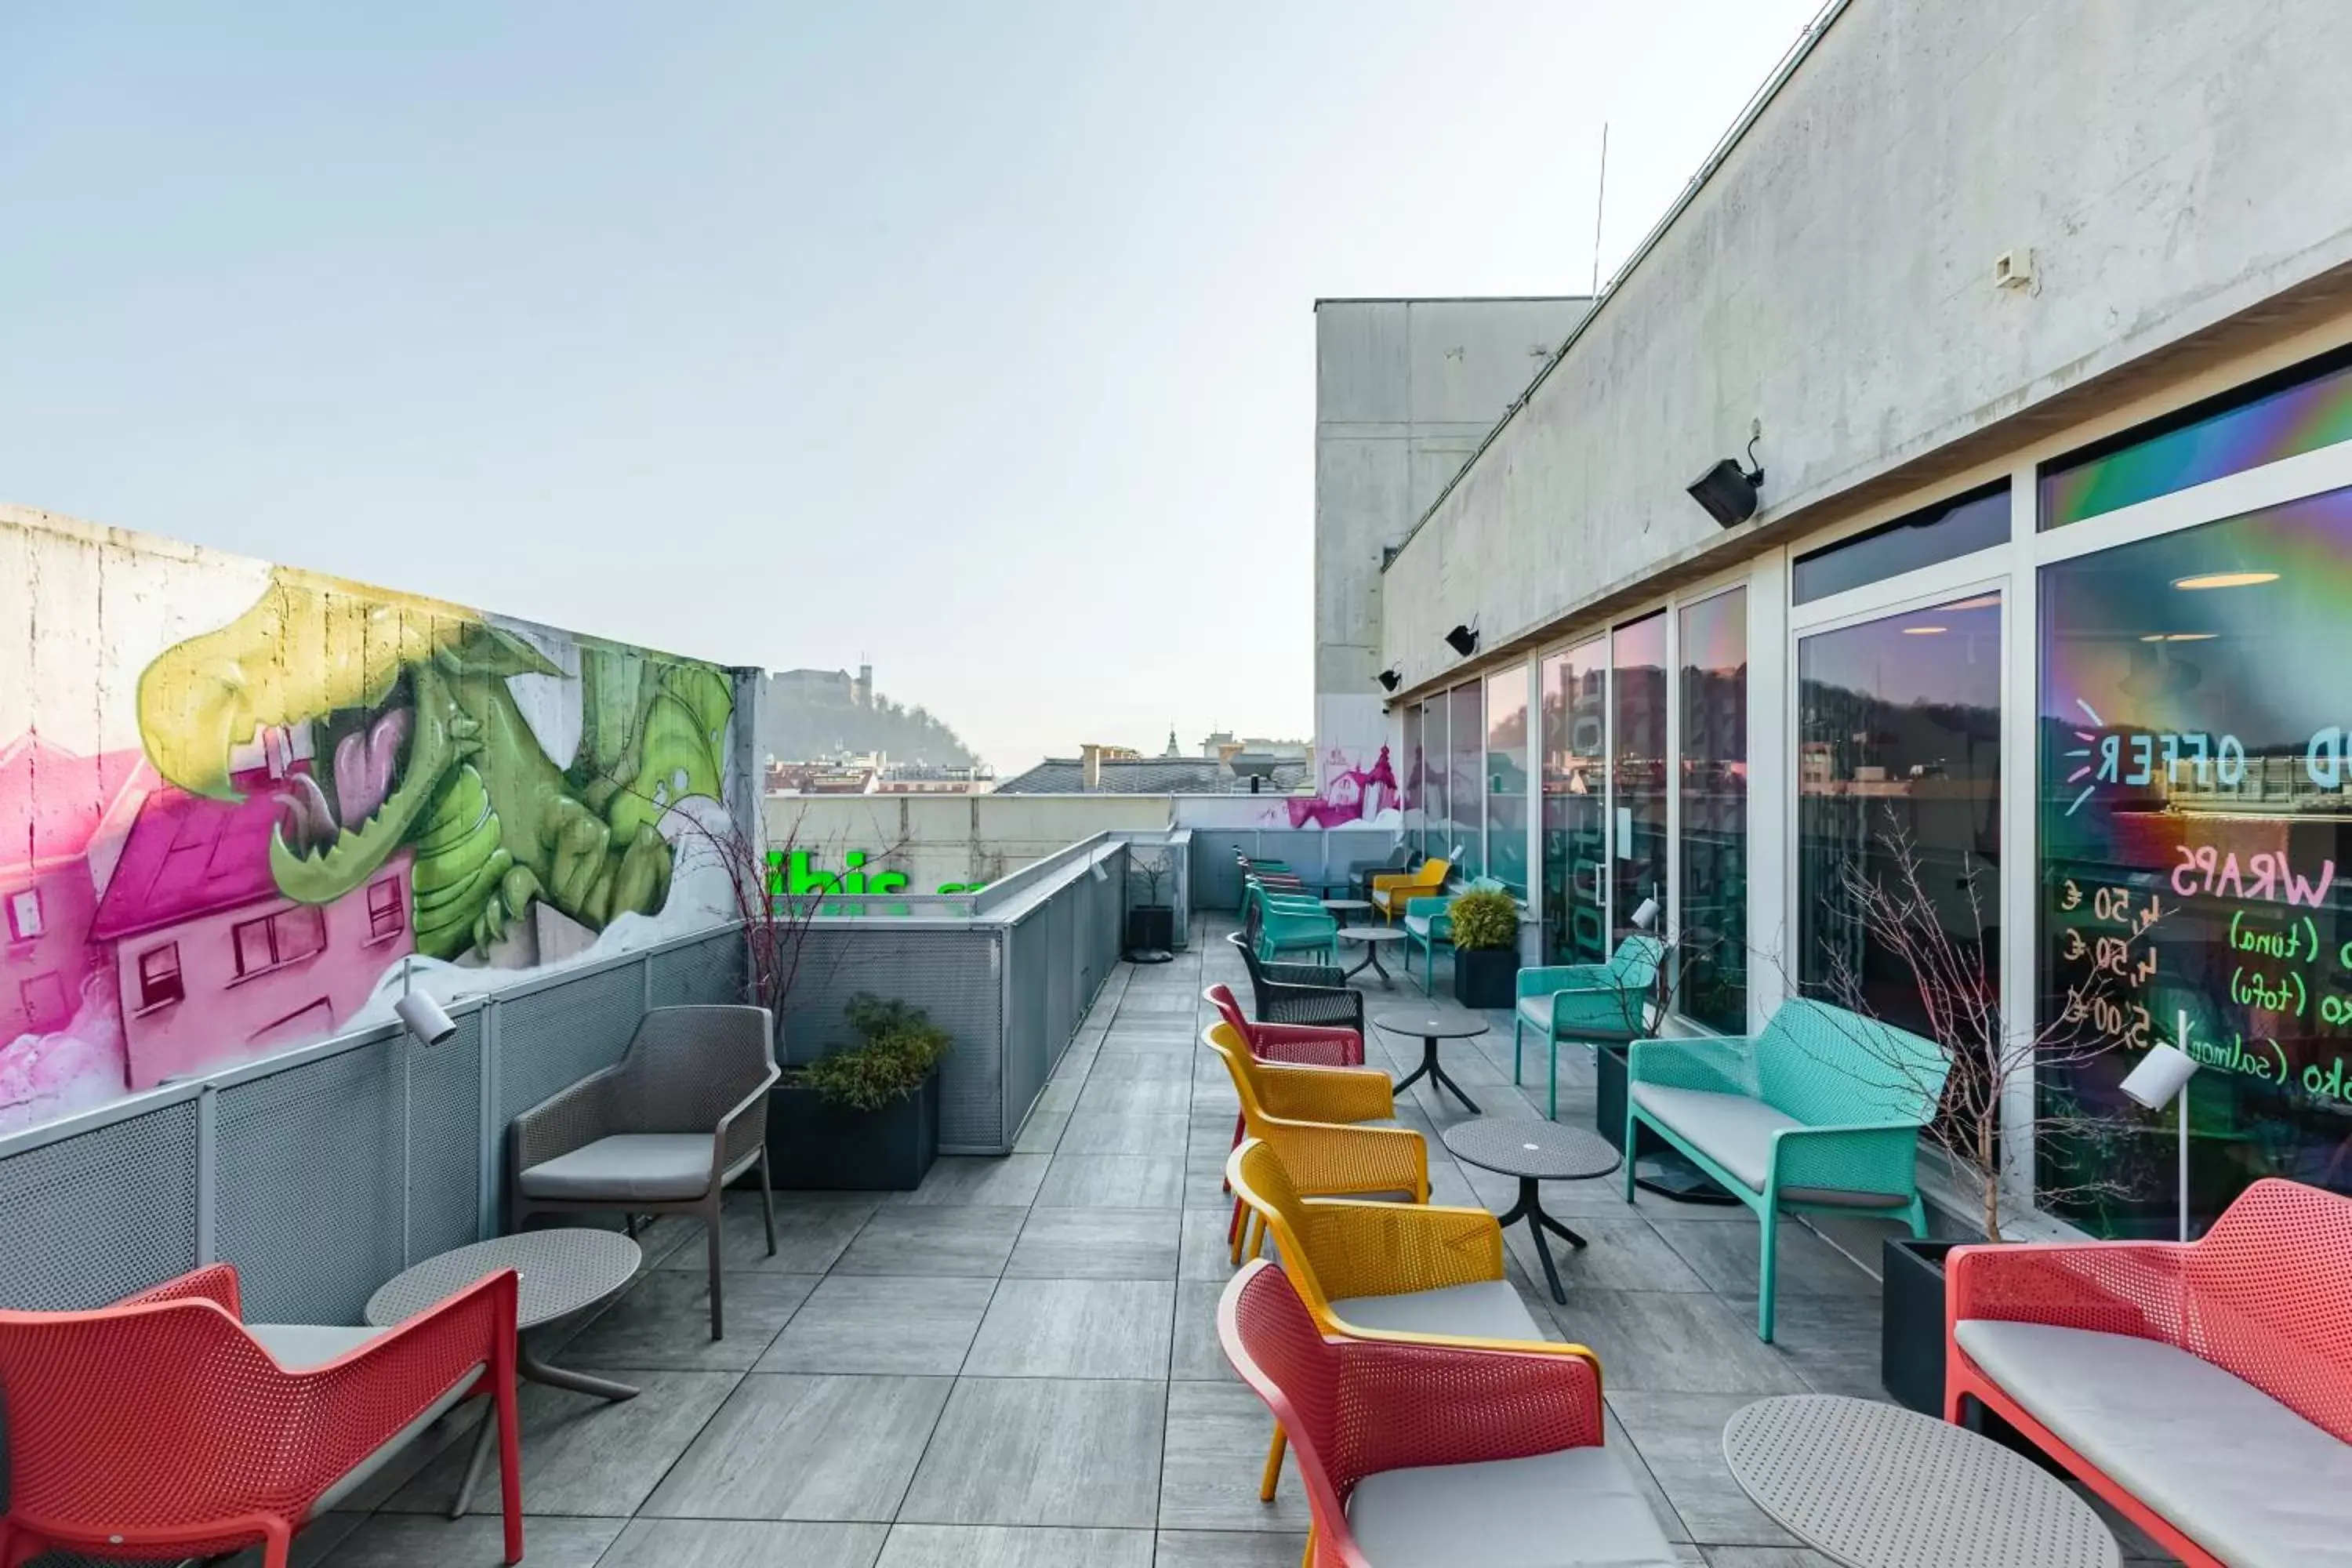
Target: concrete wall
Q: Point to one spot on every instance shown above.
(2174, 166)
(936, 840)
(1404, 391)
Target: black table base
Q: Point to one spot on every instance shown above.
(1430, 1069)
(1530, 1208)
(1372, 962)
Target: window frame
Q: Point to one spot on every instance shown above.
(150, 983)
(15, 901)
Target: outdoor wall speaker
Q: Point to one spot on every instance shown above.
(424, 1017)
(1389, 680)
(2161, 1074)
(1727, 491)
(1647, 915)
(1462, 640)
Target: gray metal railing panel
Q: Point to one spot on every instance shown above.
(445, 1141)
(566, 1031)
(90, 1218)
(703, 972)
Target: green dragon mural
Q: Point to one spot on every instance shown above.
(419, 742)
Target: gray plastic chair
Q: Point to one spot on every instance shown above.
(662, 1131)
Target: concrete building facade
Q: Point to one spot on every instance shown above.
(2037, 315)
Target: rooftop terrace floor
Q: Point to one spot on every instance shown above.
(1017, 1367)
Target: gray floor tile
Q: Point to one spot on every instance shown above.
(1009, 1179)
(1076, 1328)
(1728, 1257)
(961, 1238)
(1832, 1339)
(785, 1445)
(581, 1456)
(1014, 1546)
(1680, 1437)
(1156, 1096)
(811, 1230)
(1206, 1251)
(1765, 1557)
(1042, 1133)
(477, 1541)
(1614, 1435)
(1217, 1437)
(1123, 1133)
(314, 1547)
(1173, 1062)
(1197, 1356)
(882, 1323)
(1204, 1183)
(726, 1544)
(1044, 1451)
(1677, 1342)
(1097, 1243)
(1113, 1181)
(1229, 1549)
(664, 1321)
(1620, 1254)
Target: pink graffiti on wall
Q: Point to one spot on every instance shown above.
(1350, 794)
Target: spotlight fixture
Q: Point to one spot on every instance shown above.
(1389, 680)
(1462, 640)
(420, 1013)
(1728, 491)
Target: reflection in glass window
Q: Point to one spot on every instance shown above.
(2194, 711)
(1438, 824)
(1898, 738)
(1466, 780)
(1638, 742)
(1507, 778)
(1413, 826)
(1945, 531)
(1712, 989)
(1575, 781)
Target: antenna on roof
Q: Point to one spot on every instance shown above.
(1599, 197)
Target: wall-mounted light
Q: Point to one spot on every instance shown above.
(1728, 491)
(1647, 915)
(423, 1015)
(1389, 680)
(1462, 640)
(2161, 1076)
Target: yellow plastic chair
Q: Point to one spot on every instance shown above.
(1315, 1117)
(1339, 1252)
(1391, 890)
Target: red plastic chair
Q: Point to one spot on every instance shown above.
(2265, 1295)
(1356, 1407)
(1305, 1044)
(159, 1427)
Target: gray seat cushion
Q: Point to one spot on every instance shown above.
(1537, 1010)
(1575, 1509)
(1488, 1310)
(655, 1167)
(1417, 924)
(297, 1347)
(2233, 1470)
(1736, 1132)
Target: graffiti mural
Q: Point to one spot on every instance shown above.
(1350, 794)
(267, 793)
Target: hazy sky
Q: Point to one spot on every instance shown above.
(976, 339)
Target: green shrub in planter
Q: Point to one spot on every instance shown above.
(865, 1117)
(899, 1046)
(1485, 920)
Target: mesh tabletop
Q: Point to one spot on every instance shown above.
(1431, 1025)
(1877, 1486)
(1524, 1146)
(561, 1271)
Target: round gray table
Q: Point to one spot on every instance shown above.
(1535, 1152)
(559, 1272)
(1433, 1026)
(1372, 938)
(1877, 1486)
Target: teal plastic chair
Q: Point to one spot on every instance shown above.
(1591, 1003)
(1286, 923)
(1428, 927)
(1820, 1112)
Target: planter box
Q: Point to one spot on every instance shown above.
(814, 1143)
(1670, 1174)
(1486, 977)
(1152, 927)
(1911, 1322)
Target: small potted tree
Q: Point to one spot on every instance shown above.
(1151, 921)
(864, 1116)
(1486, 948)
(1986, 1059)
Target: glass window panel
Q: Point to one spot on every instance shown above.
(1507, 779)
(1466, 780)
(2301, 410)
(1413, 826)
(1638, 835)
(1575, 781)
(1898, 736)
(1713, 987)
(2192, 723)
(1945, 531)
(1437, 823)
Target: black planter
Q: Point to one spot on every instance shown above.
(1658, 1166)
(1485, 976)
(1152, 927)
(815, 1143)
(1911, 1322)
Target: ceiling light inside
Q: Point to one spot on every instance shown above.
(2224, 580)
(1924, 631)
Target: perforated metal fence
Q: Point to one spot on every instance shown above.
(323, 1171)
